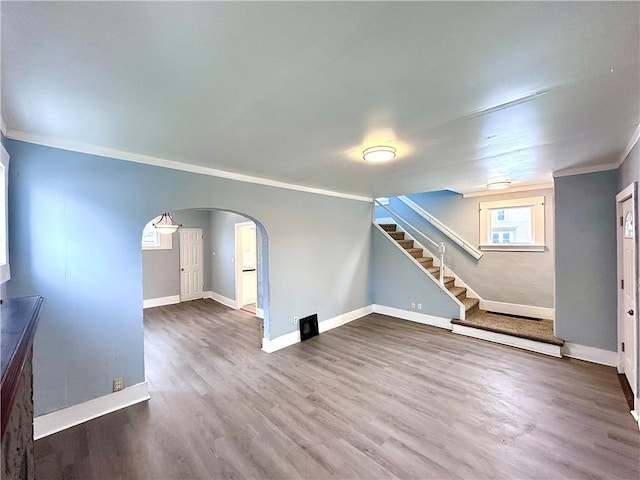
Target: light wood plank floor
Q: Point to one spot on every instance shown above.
(377, 398)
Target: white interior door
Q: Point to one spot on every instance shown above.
(246, 277)
(629, 294)
(191, 269)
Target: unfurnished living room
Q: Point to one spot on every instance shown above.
(307, 240)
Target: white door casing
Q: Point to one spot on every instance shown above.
(191, 267)
(627, 288)
(245, 262)
(629, 294)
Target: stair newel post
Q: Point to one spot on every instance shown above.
(441, 262)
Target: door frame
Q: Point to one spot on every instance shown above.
(201, 233)
(629, 192)
(238, 261)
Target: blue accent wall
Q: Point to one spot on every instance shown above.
(586, 261)
(75, 226)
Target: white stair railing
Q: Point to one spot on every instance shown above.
(439, 246)
(474, 252)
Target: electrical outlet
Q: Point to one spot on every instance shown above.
(118, 384)
(419, 306)
(413, 304)
(295, 320)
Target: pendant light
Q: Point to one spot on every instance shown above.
(166, 224)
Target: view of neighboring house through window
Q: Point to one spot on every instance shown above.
(512, 224)
(152, 240)
(5, 273)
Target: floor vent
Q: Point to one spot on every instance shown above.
(308, 327)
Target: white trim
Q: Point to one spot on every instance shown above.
(260, 313)
(415, 262)
(566, 172)
(629, 192)
(237, 260)
(411, 316)
(227, 302)
(519, 188)
(57, 421)
(512, 247)
(632, 143)
(5, 269)
(501, 338)
(3, 126)
(590, 354)
(530, 311)
(161, 162)
(161, 301)
(292, 338)
(454, 237)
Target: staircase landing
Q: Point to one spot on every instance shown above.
(529, 334)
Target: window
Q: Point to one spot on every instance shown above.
(5, 271)
(152, 240)
(516, 225)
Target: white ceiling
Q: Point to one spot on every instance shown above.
(295, 91)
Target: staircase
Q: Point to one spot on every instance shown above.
(470, 304)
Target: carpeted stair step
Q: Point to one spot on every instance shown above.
(449, 282)
(459, 292)
(396, 235)
(471, 305)
(405, 243)
(414, 252)
(433, 270)
(531, 329)
(388, 227)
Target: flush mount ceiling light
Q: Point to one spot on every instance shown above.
(379, 154)
(166, 224)
(499, 185)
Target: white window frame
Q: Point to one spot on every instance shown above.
(537, 225)
(164, 241)
(5, 269)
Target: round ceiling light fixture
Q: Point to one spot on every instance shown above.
(499, 185)
(379, 154)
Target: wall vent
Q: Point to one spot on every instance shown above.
(308, 327)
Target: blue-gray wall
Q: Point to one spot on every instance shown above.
(160, 268)
(524, 278)
(75, 225)
(396, 281)
(586, 260)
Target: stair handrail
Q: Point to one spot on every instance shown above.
(439, 246)
(467, 247)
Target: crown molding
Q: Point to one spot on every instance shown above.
(581, 170)
(172, 164)
(632, 143)
(517, 188)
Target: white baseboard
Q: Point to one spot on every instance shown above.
(227, 302)
(292, 338)
(516, 309)
(260, 313)
(161, 301)
(590, 354)
(57, 421)
(413, 316)
(524, 343)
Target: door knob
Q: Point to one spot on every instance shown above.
(630, 312)
(182, 270)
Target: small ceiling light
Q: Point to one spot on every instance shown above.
(379, 154)
(166, 224)
(501, 185)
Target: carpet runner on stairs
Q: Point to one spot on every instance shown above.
(470, 304)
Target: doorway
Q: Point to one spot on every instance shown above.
(627, 289)
(191, 267)
(246, 266)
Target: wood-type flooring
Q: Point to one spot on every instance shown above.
(376, 398)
